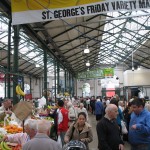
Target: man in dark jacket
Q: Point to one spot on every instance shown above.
(108, 131)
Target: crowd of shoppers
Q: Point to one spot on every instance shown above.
(71, 122)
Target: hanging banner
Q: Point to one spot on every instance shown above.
(95, 73)
(29, 11)
(108, 72)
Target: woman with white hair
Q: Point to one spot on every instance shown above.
(82, 109)
(72, 115)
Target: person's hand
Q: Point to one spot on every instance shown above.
(58, 133)
(82, 140)
(48, 110)
(8, 112)
(121, 147)
(133, 127)
(5, 138)
(66, 140)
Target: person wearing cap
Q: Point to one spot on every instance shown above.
(6, 105)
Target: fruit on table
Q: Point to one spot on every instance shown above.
(49, 118)
(1, 136)
(4, 146)
(18, 147)
(13, 129)
(66, 94)
(19, 91)
(1, 123)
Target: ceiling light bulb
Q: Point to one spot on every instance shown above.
(37, 65)
(132, 68)
(12, 52)
(139, 68)
(88, 63)
(86, 50)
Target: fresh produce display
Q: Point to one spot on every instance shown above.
(1, 136)
(18, 147)
(4, 146)
(9, 146)
(49, 118)
(13, 129)
(1, 123)
(66, 94)
(2, 131)
(51, 107)
(19, 91)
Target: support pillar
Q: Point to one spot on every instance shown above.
(30, 85)
(73, 84)
(65, 74)
(70, 88)
(45, 75)
(8, 61)
(58, 70)
(15, 65)
(55, 78)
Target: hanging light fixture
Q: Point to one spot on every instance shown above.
(139, 68)
(12, 51)
(132, 62)
(87, 63)
(88, 69)
(86, 50)
(37, 65)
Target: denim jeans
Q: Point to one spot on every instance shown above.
(62, 136)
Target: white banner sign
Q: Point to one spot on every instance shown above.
(29, 11)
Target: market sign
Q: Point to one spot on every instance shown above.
(29, 11)
(95, 73)
(108, 72)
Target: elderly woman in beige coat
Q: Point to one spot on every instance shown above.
(80, 130)
(72, 113)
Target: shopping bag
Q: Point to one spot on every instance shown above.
(59, 141)
(53, 132)
(124, 129)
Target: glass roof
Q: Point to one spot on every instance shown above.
(28, 49)
(122, 32)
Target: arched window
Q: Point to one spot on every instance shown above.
(86, 89)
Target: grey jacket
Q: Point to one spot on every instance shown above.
(41, 142)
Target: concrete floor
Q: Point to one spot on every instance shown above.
(94, 143)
